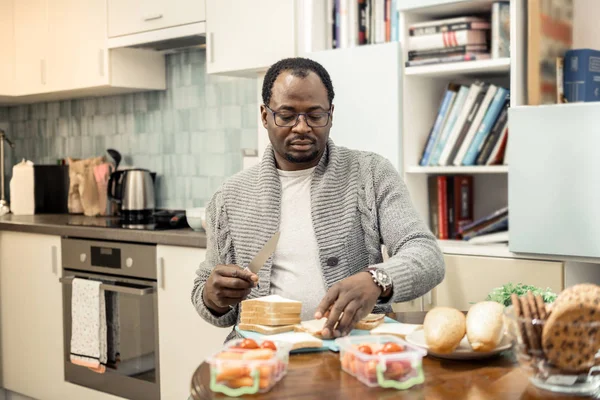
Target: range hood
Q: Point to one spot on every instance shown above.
(164, 40)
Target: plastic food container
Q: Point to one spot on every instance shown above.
(239, 370)
(399, 369)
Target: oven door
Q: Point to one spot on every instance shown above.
(132, 369)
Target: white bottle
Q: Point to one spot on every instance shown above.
(22, 192)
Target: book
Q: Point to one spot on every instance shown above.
(485, 219)
(446, 103)
(463, 202)
(500, 33)
(432, 184)
(444, 151)
(500, 224)
(472, 124)
(582, 75)
(498, 155)
(450, 206)
(497, 130)
(447, 25)
(486, 125)
(417, 54)
(488, 238)
(447, 39)
(449, 59)
(442, 207)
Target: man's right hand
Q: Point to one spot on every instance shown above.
(226, 286)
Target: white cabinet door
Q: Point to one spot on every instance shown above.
(126, 17)
(246, 36)
(185, 339)
(31, 34)
(31, 315)
(7, 44)
(76, 44)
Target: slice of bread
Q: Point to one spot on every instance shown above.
(273, 304)
(312, 327)
(299, 340)
(398, 330)
(257, 314)
(274, 321)
(266, 330)
(367, 325)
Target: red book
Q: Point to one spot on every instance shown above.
(442, 207)
(463, 201)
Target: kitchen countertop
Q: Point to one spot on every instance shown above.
(83, 227)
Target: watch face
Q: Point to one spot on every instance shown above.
(383, 277)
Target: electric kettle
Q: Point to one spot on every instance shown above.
(133, 190)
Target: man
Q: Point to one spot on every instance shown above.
(333, 207)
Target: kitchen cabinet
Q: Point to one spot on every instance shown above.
(243, 37)
(7, 44)
(185, 339)
(469, 279)
(127, 17)
(31, 34)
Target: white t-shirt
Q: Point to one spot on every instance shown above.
(296, 272)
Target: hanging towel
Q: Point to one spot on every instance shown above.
(88, 325)
(113, 329)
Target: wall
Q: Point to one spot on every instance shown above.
(191, 134)
(586, 30)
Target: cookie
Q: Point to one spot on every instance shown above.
(571, 336)
(532, 334)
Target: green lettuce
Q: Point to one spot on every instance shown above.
(502, 294)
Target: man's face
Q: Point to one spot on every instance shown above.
(300, 146)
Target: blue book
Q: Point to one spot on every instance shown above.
(486, 126)
(395, 35)
(581, 79)
(437, 126)
(461, 98)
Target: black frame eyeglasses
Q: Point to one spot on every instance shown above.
(289, 119)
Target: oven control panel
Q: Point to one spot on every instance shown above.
(127, 259)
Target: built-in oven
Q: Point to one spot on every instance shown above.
(128, 275)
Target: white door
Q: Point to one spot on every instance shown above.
(7, 44)
(77, 44)
(31, 315)
(31, 34)
(248, 35)
(126, 17)
(185, 339)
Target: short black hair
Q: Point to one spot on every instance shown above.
(299, 67)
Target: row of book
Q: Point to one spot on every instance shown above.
(471, 127)
(360, 22)
(464, 38)
(451, 209)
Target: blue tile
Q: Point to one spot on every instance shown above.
(182, 121)
(63, 127)
(182, 142)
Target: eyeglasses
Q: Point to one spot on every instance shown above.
(289, 119)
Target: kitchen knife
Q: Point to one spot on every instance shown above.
(261, 257)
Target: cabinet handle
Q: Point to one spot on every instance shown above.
(43, 71)
(160, 278)
(209, 47)
(101, 61)
(430, 298)
(152, 17)
(54, 260)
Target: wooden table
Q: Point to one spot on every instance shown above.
(319, 376)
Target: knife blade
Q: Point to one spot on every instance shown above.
(261, 257)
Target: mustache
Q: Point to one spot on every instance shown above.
(301, 139)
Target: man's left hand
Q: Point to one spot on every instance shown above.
(354, 296)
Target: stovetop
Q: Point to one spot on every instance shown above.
(160, 221)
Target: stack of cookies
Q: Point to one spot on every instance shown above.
(269, 315)
(567, 334)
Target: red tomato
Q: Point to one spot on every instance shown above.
(365, 349)
(267, 344)
(392, 347)
(248, 344)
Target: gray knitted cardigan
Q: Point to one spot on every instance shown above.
(358, 201)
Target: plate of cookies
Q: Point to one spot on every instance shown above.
(450, 334)
(558, 344)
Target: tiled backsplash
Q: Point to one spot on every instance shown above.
(191, 134)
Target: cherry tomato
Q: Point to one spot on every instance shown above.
(365, 349)
(267, 344)
(392, 347)
(248, 344)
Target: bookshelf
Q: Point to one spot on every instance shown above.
(423, 88)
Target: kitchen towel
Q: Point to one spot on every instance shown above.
(88, 325)
(113, 329)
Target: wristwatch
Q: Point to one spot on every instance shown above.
(381, 278)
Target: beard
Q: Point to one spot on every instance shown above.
(303, 158)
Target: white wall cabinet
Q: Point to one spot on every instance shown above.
(243, 37)
(469, 279)
(185, 339)
(31, 35)
(126, 17)
(7, 44)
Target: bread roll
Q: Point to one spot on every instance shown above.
(444, 328)
(485, 325)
